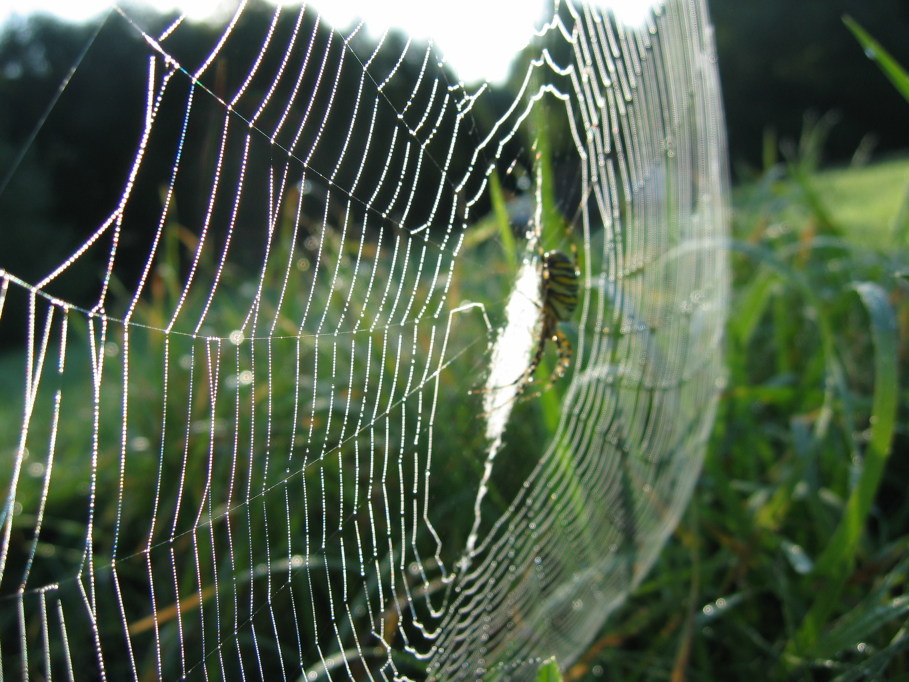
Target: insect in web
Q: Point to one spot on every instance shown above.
(544, 294)
(558, 300)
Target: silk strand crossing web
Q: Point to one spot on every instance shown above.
(357, 370)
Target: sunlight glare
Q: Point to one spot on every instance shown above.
(477, 38)
(631, 12)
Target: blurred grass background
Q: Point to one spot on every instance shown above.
(792, 559)
(791, 562)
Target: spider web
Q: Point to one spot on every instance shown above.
(286, 436)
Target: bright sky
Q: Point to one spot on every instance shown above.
(475, 49)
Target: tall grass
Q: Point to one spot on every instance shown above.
(792, 560)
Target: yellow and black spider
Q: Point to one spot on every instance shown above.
(558, 299)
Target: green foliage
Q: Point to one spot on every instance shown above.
(791, 563)
(876, 52)
(549, 672)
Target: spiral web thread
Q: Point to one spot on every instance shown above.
(261, 451)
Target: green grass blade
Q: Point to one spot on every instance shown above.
(553, 227)
(500, 208)
(878, 665)
(860, 624)
(549, 672)
(884, 335)
(813, 199)
(837, 560)
(835, 383)
(891, 68)
(754, 299)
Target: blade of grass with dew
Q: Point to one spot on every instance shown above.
(500, 209)
(860, 624)
(549, 672)
(550, 229)
(873, 613)
(895, 73)
(837, 560)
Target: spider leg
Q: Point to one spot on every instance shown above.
(563, 346)
(527, 377)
